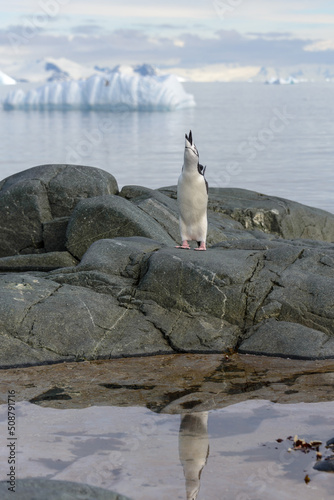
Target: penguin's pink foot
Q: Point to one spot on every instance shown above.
(202, 246)
(184, 245)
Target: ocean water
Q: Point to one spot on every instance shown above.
(274, 139)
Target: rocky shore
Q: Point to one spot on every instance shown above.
(89, 272)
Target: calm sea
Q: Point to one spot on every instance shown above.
(274, 139)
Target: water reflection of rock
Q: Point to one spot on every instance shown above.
(181, 383)
(193, 449)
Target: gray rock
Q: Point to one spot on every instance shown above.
(270, 214)
(330, 443)
(37, 262)
(118, 256)
(41, 489)
(31, 199)
(24, 206)
(163, 208)
(168, 220)
(44, 321)
(109, 217)
(326, 465)
(137, 194)
(283, 338)
(110, 265)
(157, 205)
(54, 234)
(133, 296)
(133, 293)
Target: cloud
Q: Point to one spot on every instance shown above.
(144, 9)
(87, 29)
(162, 26)
(232, 47)
(92, 44)
(320, 46)
(273, 35)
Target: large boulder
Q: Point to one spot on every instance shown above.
(133, 296)
(110, 217)
(44, 321)
(35, 205)
(121, 288)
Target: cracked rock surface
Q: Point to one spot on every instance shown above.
(120, 288)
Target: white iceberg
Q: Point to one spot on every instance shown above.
(109, 92)
(282, 81)
(48, 69)
(6, 80)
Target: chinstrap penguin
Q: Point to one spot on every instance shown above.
(192, 197)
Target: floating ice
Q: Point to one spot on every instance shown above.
(112, 92)
(282, 81)
(6, 80)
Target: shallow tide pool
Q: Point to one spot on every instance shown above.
(182, 426)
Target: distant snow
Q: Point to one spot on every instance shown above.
(6, 80)
(48, 69)
(118, 90)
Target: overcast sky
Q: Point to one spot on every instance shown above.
(173, 33)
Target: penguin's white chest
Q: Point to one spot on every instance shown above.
(192, 200)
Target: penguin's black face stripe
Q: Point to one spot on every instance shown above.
(193, 150)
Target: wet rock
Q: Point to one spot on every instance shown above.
(109, 217)
(326, 465)
(32, 198)
(330, 443)
(40, 489)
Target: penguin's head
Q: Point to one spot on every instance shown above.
(190, 151)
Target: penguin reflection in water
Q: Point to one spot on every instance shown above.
(192, 196)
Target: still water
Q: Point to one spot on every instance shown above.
(227, 454)
(187, 426)
(274, 139)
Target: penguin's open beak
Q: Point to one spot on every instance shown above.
(189, 143)
(190, 138)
